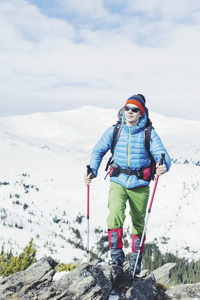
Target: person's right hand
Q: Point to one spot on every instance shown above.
(160, 169)
(88, 179)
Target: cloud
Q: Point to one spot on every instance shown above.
(176, 11)
(89, 8)
(69, 54)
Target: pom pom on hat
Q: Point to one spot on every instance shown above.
(138, 101)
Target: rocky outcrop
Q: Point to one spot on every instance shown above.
(185, 292)
(162, 274)
(29, 283)
(94, 281)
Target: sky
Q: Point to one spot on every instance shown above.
(57, 55)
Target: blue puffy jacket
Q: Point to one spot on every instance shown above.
(130, 152)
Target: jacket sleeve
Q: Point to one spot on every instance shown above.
(157, 148)
(100, 149)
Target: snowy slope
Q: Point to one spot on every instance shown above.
(43, 159)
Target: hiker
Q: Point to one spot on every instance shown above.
(129, 176)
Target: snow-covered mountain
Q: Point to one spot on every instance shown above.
(43, 158)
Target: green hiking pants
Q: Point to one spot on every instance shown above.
(138, 200)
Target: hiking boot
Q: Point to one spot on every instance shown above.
(137, 271)
(139, 263)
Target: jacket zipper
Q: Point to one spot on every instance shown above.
(129, 142)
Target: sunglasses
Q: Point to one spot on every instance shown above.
(133, 109)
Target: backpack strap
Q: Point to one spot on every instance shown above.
(116, 134)
(147, 138)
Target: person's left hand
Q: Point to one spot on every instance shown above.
(160, 169)
(88, 179)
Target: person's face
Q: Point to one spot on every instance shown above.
(132, 117)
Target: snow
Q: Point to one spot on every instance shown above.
(59, 275)
(43, 160)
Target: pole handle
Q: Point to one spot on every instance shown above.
(89, 170)
(162, 160)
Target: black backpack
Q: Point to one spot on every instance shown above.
(147, 137)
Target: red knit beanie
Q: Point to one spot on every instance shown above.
(138, 102)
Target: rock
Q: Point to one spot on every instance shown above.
(184, 292)
(143, 274)
(121, 280)
(162, 274)
(85, 282)
(91, 281)
(24, 283)
(141, 290)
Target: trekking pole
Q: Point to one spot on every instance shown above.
(89, 171)
(149, 211)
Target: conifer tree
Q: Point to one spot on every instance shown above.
(184, 271)
(11, 264)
